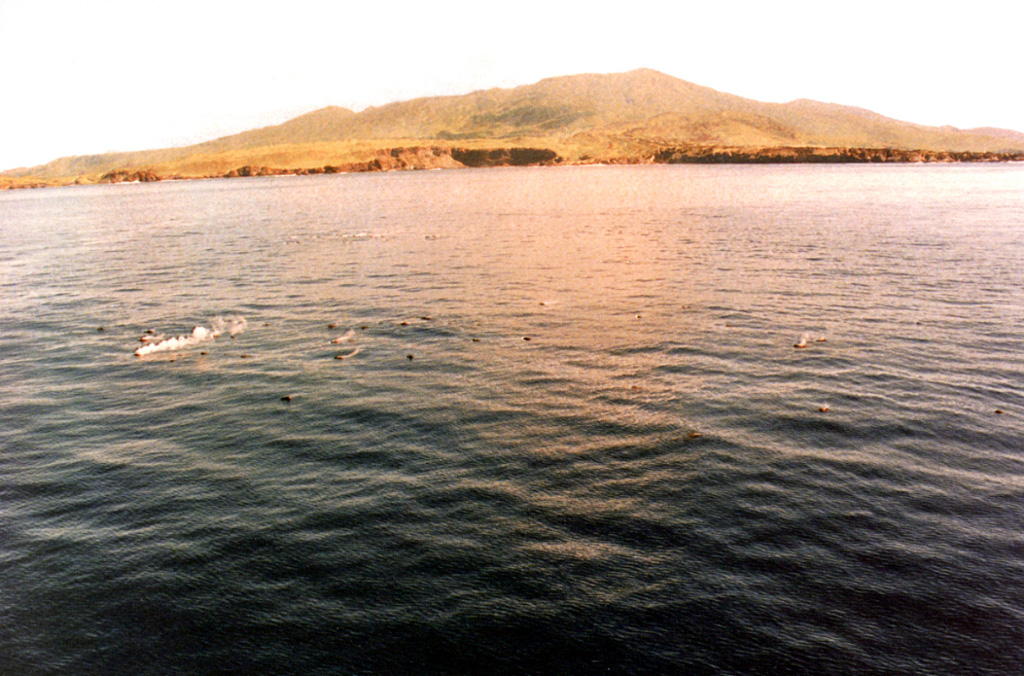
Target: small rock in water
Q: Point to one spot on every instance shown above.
(527, 338)
(409, 357)
(286, 397)
(999, 411)
(332, 326)
(823, 409)
(99, 328)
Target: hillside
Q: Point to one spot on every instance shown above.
(624, 117)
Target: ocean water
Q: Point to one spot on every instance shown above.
(516, 421)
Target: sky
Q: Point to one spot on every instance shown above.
(91, 77)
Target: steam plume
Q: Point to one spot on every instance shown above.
(200, 334)
(349, 335)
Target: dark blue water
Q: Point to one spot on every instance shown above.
(564, 428)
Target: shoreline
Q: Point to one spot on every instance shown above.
(438, 157)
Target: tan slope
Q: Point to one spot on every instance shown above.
(828, 124)
(551, 107)
(664, 107)
(325, 124)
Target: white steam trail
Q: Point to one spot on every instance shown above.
(349, 335)
(233, 325)
(200, 334)
(807, 336)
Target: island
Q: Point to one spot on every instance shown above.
(639, 117)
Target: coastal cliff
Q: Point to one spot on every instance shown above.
(432, 157)
(438, 157)
(784, 155)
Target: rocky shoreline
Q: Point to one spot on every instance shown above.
(437, 157)
(800, 154)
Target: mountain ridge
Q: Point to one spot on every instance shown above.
(629, 116)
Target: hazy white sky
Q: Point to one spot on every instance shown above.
(90, 77)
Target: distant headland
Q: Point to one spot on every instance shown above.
(639, 117)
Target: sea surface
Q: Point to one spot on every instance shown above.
(516, 421)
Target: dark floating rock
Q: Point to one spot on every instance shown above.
(999, 411)
(245, 356)
(426, 318)
(409, 357)
(404, 324)
(527, 338)
(332, 326)
(694, 435)
(339, 356)
(204, 353)
(823, 409)
(286, 397)
(476, 340)
(99, 328)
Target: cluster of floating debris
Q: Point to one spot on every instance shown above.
(153, 342)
